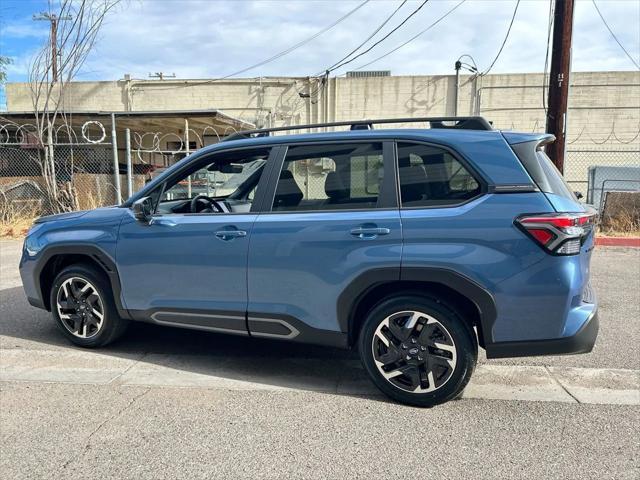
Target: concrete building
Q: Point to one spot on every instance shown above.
(603, 120)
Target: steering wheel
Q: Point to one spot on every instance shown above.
(209, 204)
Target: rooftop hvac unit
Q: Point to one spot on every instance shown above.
(370, 73)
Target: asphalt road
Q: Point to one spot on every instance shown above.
(168, 403)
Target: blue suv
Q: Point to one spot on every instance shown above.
(415, 246)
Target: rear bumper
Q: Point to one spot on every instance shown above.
(581, 342)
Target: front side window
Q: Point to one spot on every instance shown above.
(330, 177)
(226, 183)
(431, 176)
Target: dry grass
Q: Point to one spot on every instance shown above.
(623, 224)
(16, 219)
(621, 215)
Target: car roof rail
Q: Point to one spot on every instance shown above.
(455, 123)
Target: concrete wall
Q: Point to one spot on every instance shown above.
(598, 99)
(604, 106)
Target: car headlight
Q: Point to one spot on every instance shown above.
(31, 243)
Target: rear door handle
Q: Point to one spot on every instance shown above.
(230, 234)
(369, 232)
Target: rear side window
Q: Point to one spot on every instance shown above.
(330, 177)
(549, 179)
(542, 170)
(431, 176)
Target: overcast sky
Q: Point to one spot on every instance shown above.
(196, 39)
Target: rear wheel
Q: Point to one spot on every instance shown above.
(418, 350)
(83, 307)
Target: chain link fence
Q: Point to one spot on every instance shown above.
(72, 169)
(77, 167)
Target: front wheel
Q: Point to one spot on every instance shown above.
(418, 350)
(83, 307)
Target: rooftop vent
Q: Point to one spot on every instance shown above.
(369, 73)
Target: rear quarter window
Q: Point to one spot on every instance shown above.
(542, 170)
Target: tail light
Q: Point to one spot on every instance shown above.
(558, 233)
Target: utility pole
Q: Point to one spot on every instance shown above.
(161, 75)
(559, 80)
(458, 66)
(53, 19)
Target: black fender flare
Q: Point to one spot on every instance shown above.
(365, 282)
(97, 254)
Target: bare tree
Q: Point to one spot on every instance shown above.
(74, 31)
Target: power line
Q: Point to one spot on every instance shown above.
(299, 44)
(382, 39)
(412, 38)
(277, 55)
(367, 39)
(614, 35)
(506, 37)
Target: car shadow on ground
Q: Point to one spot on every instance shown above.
(233, 360)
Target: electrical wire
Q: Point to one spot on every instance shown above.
(504, 42)
(412, 38)
(382, 39)
(473, 67)
(366, 40)
(614, 35)
(277, 55)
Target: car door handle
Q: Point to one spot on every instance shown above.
(230, 234)
(369, 232)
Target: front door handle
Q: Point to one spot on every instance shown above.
(230, 234)
(369, 232)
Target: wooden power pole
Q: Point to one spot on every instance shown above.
(559, 80)
(53, 20)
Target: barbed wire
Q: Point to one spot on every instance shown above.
(93, 132)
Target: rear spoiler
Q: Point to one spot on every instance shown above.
(514, 138)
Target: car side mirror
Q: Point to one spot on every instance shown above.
(142, 209)
(578, 195)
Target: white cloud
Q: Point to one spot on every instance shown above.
(197, 39)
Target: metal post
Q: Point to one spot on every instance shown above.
(52, 162)
(186, 150)
(458, 66)
(116, 165)
(127, 138)
(474, 106)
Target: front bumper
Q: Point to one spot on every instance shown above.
(30, 275)
(581, 342)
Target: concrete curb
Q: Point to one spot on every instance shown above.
(618, 241)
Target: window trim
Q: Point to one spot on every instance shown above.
(388, 200)
(484, 186)
(200, 162)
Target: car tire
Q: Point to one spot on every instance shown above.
(418, 350)
(83, 307)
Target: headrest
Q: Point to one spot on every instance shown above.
(413, 181)
(288, 193)
(335, 188)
